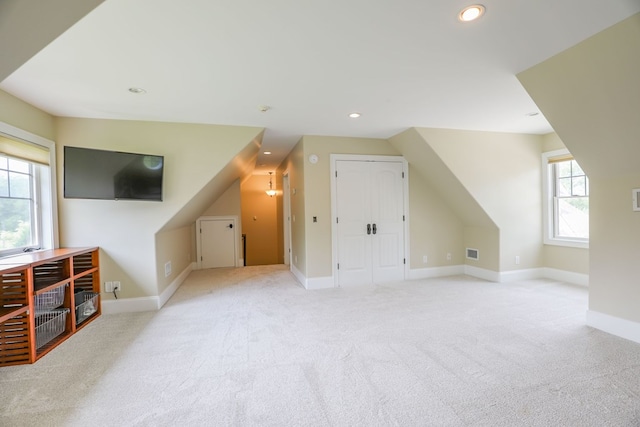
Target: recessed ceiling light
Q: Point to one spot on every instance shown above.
(267, 152)
(264, 108)
(471, 13)
(354, 115)
(137, 90)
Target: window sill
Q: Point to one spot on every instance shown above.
(567, 243)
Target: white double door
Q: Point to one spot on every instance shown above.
(370, 221)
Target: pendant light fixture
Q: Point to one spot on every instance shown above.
(270, 192)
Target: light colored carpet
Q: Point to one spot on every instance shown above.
(251, 347)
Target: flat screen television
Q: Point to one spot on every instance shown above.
(112, 175)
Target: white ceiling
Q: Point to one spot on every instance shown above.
(401, 63)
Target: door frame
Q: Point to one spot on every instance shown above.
(236, 235)
(334, 204)
(286, 209)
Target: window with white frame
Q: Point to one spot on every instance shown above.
(18, 224)
(27, 192)
(566, 188)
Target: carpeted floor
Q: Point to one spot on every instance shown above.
(249, 346)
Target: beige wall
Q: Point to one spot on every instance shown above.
(132, 234)
(480, 232)
(317, 193)
(590, 93)
(614, 287)
(502, 172)
(551, 142)
(24, 116)
(260, 221)
(564, 258)
(228, 204)
(27, 26)
(294, 164)
(175, 246)
(434, 228)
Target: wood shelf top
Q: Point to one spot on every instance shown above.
(37, 257)
(11, 267)
(8, 313)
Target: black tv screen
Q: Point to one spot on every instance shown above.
(112, 175)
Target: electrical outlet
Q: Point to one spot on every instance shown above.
(448, 257)
(517, 259)
(167, 269)
(424, 259)
(108, 286)
(117, 286)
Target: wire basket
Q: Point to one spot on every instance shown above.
(49, 300)
(86, 305)
(49, 325)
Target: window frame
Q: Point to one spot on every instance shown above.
(45, 193)
(549, 205)
(34, 203)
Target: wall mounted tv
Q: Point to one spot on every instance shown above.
(112, 175)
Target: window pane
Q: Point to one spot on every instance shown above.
(564, 169)
(576, 169)
(3, 163)
(579, 186)
(15, 223)
(564, 187)
(18, 166)
(573, 217)
(4, 183)
(19, 185)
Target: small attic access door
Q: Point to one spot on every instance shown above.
(217, 238)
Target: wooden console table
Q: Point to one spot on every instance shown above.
(45, 297)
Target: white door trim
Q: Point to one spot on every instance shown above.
(334, 202)
(236, 236)
(286, 220)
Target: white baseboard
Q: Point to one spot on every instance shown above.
(525, 274)
(130, 305)
(528, 274)
(154, 303)
(173, 286)
(481, 273)
(427, 273)
(614, 325)
(566, 276)
(320, 283)
(313, 282)
(299, 276)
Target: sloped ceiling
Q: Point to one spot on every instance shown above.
(591, 95)
(27, 26)
(402, 64)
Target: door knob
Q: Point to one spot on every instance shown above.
(375, 229)
(230, 226)
(368, 228)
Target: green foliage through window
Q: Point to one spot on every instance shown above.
(16, 203)
(571, 196)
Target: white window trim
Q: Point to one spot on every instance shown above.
(47, 197)
(548, 206)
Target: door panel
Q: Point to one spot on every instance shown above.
(354, 245)
(370, 228)
(218, 243)
(387, 211)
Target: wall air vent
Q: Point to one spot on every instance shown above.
(473, 254)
